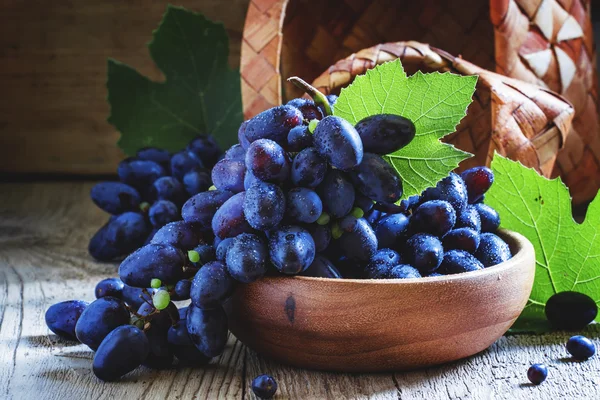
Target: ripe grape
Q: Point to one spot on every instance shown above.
(161, 261)
(299, 138)
(490, 219)
(183, 162)
(478, 181)
(207, 329)
(119, 237)
(321, 235)
(211, 285)
(162, 212)
(264, 206)
(100, 318)
(381, 264)
(451, 189)
(235, 153)
(159, 156)
(206, 149)
(274, 124)
(458, 261)
(115, 197)
(403, 271)
(169, 188)
(580, 347)
(337, 193)
(264, 386)
(308, 168)
(247, 258)
(307, 107)
(139, 173)
(492, 250)
(424, 252)
(570, 310)
(182, 290)
(468, 217)
(229, 220)
(436, 217)
(385, 133)
(359, 241)
(123, 350)
(303, 205)
(244, 142)
(201, 208)
(206, 254)
(156, 328)
(321, 267)
(391, 230)
(377, 179)
(62, 317)
(182, 346)
(222, 248)
(337, 141)
(537, 373)
(181, 234)
(461, 239)
(112, 287)
(229, 175)
(267, 161)
(196, 181)
(292, 249)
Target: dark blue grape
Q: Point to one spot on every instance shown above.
(403, 271)
(119, 237)
(267, 161)
(478, 181)
(299, 138)
(181, 345)
(183, 162)
(458, 261)
(580, 347)
(159, 156)
(161, 261)
(492, 250)
(181, 291)
(112, 287)
(374, 216)
(337, 193)
(229, 220)
(207, 329)
(307, 107)
(337, 141)
(247, 258)
(140, 174)
(461, 239)
(385, 133)
(321, 267)
(537, 373)
(571, 311)
(250, 179)
(490, 219)
(409, 204)
(202, 207)
(359, 240)
(207, 254)
(62, 317)
(181, 234)
(308, 168)
(229, 175)
(321, 235)
(222, 248)
(169, 188)
(274, 124)
(159, 322)
(292, 249)
(424, 252)
(235, 153)
(196, 181)
(135, 297)
(99, 319)
(264, 206)
(122, 351)
(206, 149)
(211, 285)
(436, 217)
(363, 202)
(381, 263)
(303, 205)
(377, 179)
(468, 218)
(391, 229)
(264, 386)
(115, 197)
(451, 189)
(162, 212)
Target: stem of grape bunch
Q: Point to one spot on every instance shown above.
(318, 97)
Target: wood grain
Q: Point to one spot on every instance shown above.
(44, 228)
(53, 56)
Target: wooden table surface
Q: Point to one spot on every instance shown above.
(44, 231)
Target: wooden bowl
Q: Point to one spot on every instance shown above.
(382, 325)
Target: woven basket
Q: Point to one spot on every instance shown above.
(301, 37)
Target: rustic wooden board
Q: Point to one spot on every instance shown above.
(44, 229)
(53, 56)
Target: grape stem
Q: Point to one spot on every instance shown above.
(318, 97)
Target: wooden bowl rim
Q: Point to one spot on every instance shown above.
(517, 242)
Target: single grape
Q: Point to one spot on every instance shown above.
(377, 179)
(374, 216)
(403, 271)
(183, 162)
(268, 161)
(140, 174)
(206, 253)
(206, 149)
(202, 207)
(391, 230)
(580, 347)
(229, 220)
(156, 327)
(299, 138)
(207, 329)
(409, 204)
(359, 240)
(436, 217)
(458, 261)
(264, 206)
(303, 205)
(250, 179)
(451, 189)
(112, 287)
(222, 248)
(537, 373)
(337, 193)
(159, 156)
(181, 345)
(135, 297)
(123, 350)
(461, 239)
(468, 218)
(381, 263)
(321, 267)
(169, 188)
(308, 168)
(292, 249)
(196, 181)
(307, 107)
(161, 261)
(211, 285)
(478, 181)
(181, 234)
(492, 250)
(264, 386)
(162, 212)
(155, 283)
(247, 258)
(274, 124)
(337, 141)
(161, 299)
(321, 235)
(235, 153)
(490, 219)
(62, 317)
(571, 311)
(98, 319)
(424, 252)
(363, 202)
(229, 175)
(120, 236)
(182, 290)
(385, 133)
(115, 197)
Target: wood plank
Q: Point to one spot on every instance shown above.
(53, 74)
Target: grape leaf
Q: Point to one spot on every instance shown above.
(567, 253)
(201, 93)
(435, 103)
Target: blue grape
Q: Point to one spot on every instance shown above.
(468, 218)
(211, 285)
(123, 350)
(160, 355)
(182, 290)
(202, 207)
(337, 193)
(308, 168)
(478, 181)
(264, 206)
(292, 249)
(267, 161)
(181, 345)
(183, 162)
(381, 263)
(403, 271)
(160, 261)
(391, 229)
(119, 237)
(409, 204)
(580, 347)
(181, 234)
(363, 202)
(373, 216)
(264, 386)
(490, 219)
(385, 133)
(537, 373)
(207, 254)
(222, 248)
(321, 235)
(321, 267)
(461, 239)
(140, 174)
(332, 99)
(135, 297)
(229, 175)
(162, 212)
(299, 138)
(451, 189)
(159, 156)
(229, 220)
(303, 205)
(206, 149)
(62, 317)
(169, 188)
(359, 241)
(112, 287)
(492, 250)
(436, 217)
(337, 141)
(247, 258)
(196, 181)
(250, 179)
(236, 153)
(274, 124)
(424, 252)
(99, 319)
(307, 107)
(458, 261)
(115, 197)
(570, 311)
(207, 329)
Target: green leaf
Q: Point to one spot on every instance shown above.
(567, 253)
(200, 95)
(435, 103)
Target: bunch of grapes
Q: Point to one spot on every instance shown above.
(302, 193)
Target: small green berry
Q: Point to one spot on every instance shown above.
(194, 256)
(144, 206)
(323, 219)
(357, 212)
(155, 283)
(312, 125)
(336, 231)
(213, 187)
(161, 299)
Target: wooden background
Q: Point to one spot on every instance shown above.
(53, 74)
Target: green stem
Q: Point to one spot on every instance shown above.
(318, 97)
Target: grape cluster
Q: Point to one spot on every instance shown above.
(302, 193)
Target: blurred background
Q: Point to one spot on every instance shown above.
(53, 56)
